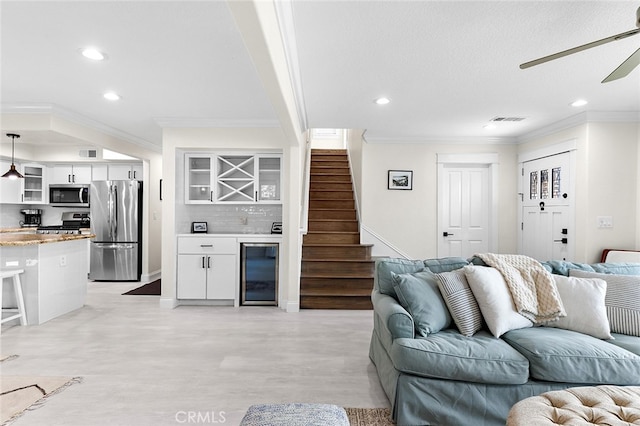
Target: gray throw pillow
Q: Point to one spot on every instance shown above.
(621, 300)
(460, 301)
(418, 293)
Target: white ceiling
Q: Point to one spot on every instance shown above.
(448, 66)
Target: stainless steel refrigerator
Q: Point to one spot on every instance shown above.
(116, 220)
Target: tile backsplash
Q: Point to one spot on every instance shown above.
(236, 218)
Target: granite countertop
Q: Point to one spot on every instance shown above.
(20, 238)
(31, 230)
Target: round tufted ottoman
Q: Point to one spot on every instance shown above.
(593, 405)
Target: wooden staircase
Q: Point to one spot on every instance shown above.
(337, 271)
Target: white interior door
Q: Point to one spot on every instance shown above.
(463, 210)
(547, 232)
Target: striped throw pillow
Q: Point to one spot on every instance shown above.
(459, 299)
(622, 300)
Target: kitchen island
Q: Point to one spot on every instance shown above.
(55, 266)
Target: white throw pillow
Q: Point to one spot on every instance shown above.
(622, 300)
(495, 301)
(583, 300)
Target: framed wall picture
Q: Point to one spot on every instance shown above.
(400, 179)
(198, 227)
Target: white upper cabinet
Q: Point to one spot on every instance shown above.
(34, 188)
(198, 179)
(232, 178)
(70, 173)
(125, 171)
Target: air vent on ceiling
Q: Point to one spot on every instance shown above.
(500, 119)
(88, 153)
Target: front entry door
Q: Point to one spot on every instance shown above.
(463, 204)
(547, 232)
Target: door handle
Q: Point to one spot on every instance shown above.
(446, 234)
(563, 241)
(203, 262)
(208, 262)
(206, 245)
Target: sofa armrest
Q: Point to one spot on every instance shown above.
(391, 320)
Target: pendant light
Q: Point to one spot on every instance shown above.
(12, 173)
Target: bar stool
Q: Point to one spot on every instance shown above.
(17, 289)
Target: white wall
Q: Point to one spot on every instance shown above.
(408, 219)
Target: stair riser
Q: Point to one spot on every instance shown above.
(331, 195)
(331, 163)
(329, 171)
(334, 226)
(348, 214)
(328, 302)
(339, 269)
(330, 186)
(331, 204)
(336, 252)
(324, 177)
(336, 285)
(331, 239)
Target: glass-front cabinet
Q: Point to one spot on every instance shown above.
(199, 179)
(232, 178)
(33, 185)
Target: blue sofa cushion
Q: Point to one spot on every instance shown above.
(630, 343)
(558, 355)
(450, 355)
(617, 268)
(562, 267)
(445, 264)
(383, 280)
(418, 293)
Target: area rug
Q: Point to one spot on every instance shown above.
(369, 416)
(24, 393)
(151, 289)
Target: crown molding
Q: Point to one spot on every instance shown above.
(582, 118)
(439, 141)
(168, 122)
(74, 117)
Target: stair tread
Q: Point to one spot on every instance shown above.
(335, 259)
(333, 232)
(333, 276)
(312, 293)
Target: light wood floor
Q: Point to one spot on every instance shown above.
(144, 365)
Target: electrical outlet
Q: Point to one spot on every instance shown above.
(12, 263)
(63, 260)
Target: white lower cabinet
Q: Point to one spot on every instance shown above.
(207, 268)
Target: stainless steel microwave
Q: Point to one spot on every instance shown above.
(69, 195)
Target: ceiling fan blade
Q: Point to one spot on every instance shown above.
(624, 68)
(579, 48)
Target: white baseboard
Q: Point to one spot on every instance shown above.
(168, 303)
(147, 278)
(292, 307)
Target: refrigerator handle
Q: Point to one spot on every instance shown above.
(115, 210)
(109, 208)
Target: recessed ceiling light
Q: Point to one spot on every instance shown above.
(579, 103)
(93, 53)
(111, 96)
(382, 101)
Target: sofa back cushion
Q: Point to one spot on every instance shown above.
(445, 264)
(418, 293)
(617, 268)
(383, 281)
